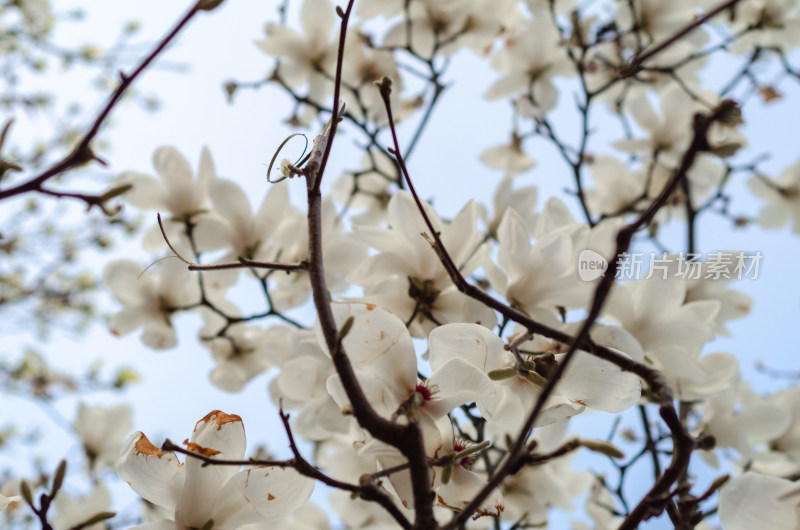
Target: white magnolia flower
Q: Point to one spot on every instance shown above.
(773, 23)
(601, 507)
(432, 22)
(149, 299)
(533, 491)
(588, 382)
(531, 58)
(539, 277)
(309, 58)
(367, 189)
(341, 458)
(301, 386)
(382, 353)
(521, 199)
(618, 189)
(176, 191)
(233, 226)
(789, 441)
(672, 332)
(385, 363)
(70, 512)
(195, 494)
(102, 431)
(759, 501)
(668, 133)
(343, 251)
(364, 66)
(656, 20)
(242, 354)
(463, 483)
(508, 157)
(741, 419)
(782, 197)
(406, 276)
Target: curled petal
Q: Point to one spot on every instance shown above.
(157, 476)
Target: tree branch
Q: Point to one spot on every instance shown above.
(83, 153)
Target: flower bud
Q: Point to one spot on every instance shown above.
(208, 5)
(601, 446)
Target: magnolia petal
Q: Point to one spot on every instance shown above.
(231, 203)
(147, 192)
(173, 168)
(462, 487)
(260, 494)
(719, 370)
(164, 524)
(455, 383)
(156, 334)
(514, 243)
(759, 501)
(405, 218)
(642, 111)
(317, 419)
(383, 400)
(316, 18)
(378, 344)
(119, 276)
(461, 238)
(619, 339)
(157, 476)
(218, 435)
(598, 384)
(205, 170)
(127, 320)
(302, 378)
(274, 207)
(471, 342)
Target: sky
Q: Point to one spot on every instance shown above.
(242, 137)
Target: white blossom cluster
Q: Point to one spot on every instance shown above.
(425, 352)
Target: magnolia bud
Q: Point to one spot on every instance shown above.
(208, 5)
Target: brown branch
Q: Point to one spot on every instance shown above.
(636, 64)
(243, 263)
(407, 439)
(82, 153)
(316, 180)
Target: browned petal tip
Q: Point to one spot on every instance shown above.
(200, 450)
(219, 418)
(145, 447)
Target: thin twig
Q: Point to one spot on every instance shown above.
(82, 153)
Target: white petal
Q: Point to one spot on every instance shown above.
(378, 344)
(218, 435)
(157, 476)
(599, 385)
(759, 501)
(473, 343)
(462, 487)
(456, 383)
(147, 193)
(232, 204)
(261, 494)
